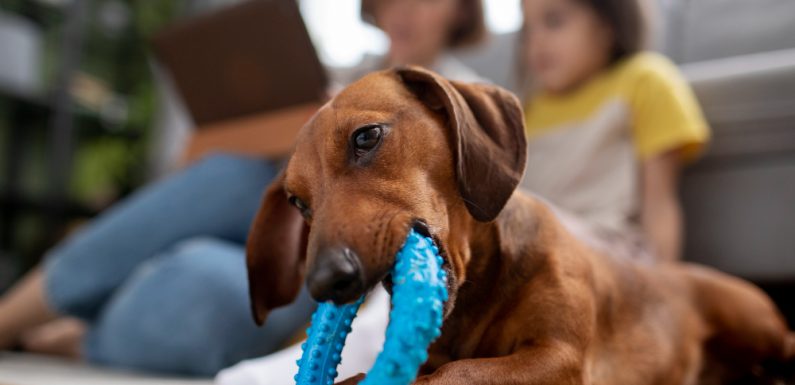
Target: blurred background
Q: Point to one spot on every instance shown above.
(85, 117)
(77, 101)
(87, 114)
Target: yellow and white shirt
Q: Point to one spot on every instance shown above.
(585, 148)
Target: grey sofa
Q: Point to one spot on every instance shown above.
(740, 199)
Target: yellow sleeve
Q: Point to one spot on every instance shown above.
(665, 113)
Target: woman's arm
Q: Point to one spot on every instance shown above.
(661, 215)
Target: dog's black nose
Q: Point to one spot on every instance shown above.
(336, 276)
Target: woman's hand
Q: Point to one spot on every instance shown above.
(661, 213)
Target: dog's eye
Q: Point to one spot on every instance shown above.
(301, 206)
(367, 138)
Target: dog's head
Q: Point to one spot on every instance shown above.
(399, 149)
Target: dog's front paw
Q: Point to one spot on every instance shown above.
(353, 380)
(437, 378)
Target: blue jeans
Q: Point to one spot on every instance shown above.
(161, 276)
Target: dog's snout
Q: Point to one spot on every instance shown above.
(336, 276)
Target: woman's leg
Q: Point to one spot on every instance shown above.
(60, 337)
(188, 313)
(216, 197)
(22, 306)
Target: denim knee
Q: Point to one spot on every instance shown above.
(217, 197)
(188, 313)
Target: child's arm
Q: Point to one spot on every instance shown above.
(661, 215)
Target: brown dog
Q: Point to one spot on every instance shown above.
(529, 302)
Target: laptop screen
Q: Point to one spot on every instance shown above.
(249, 58)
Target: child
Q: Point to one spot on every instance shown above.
(608, 125)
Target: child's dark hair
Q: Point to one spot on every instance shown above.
(629, 21)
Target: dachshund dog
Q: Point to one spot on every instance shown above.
(530, 303)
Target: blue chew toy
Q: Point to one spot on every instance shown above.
(418, 295)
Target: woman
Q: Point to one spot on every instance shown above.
(158, 282)
(420, 33)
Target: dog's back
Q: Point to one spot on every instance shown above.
(747, 337)
(685, 323)
(710, 327)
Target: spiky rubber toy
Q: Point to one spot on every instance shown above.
(418, 296)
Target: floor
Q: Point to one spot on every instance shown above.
(25, 369)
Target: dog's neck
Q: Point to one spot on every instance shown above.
(514, 243)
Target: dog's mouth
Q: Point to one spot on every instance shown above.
(421, 227)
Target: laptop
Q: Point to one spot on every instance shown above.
(244, 59)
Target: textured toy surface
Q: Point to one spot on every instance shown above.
(418, 295)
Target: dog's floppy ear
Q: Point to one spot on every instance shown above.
(489, 142)
(275, 252)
